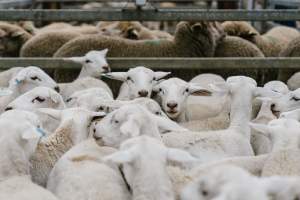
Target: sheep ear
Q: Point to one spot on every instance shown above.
(104, 52)
(19, 78)
(56, 98)
(178, 155)
(196, 90)
(17, 34)
(97, 115)
(56, 114)
(130, 128)
(160, 75)
(79, 60)
(121, 76)
(260, 128)
(2, 33)
(167, 125)
(220, 88)
(156, 87)
(132, 33)
(120, 157)
(197, 27)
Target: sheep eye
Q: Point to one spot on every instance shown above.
(35, 78)
(101, 108)
(154, 79)
(187, 90)
(69, 99)
(39, 99)
(160, 89)
(157, 113)
(88, 61)
(295, 99)
(116, 121)
(128, 78)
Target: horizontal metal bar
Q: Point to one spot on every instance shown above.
(163, 63)
(150, 1)
(170, 14)
(14, 3)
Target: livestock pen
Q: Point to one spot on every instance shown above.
(262, 69)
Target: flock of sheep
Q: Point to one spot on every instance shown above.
(162, 138)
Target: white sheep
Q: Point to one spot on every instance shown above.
(139, 157)
(173, 94)
(18, 142)
(130, 121)
(90, 99)
(6, 75)
(80, 174)
(93, 64)
(25, 80)
(73, 128)
(234, 141)
(284, 158)
(137, 82)
(39, 97)
(260, 143)
(225, 183)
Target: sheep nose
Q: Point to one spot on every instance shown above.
(106, 68)
(172, 105)
(56, 88)
(143, 93)
(8, 108)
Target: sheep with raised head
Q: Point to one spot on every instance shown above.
(18, 143)
(130, 121)
(139, 156)
(137, 82)
(73, 128)
(81, 174)
(25, 80)
(192, 39)
(292, 49)
(230, 142)
(6, 75)
(285, 137)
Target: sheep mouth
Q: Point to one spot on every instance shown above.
(172, 112)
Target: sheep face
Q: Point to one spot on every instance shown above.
(31, 77)
(11, 39)
(174, 92)
(284, 133)
(287, 102)
(130, 121)
(39, 97)
(140, 80)
(93, 63)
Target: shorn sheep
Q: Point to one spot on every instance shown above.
(81, 174)
(73, 129)
(139, 156)
(191, 40)
(18, 143)
(137, 82)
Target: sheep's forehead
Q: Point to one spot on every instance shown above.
(241, 79)
(277, 86)
(140, 70)
(173, 83)
(96, 56)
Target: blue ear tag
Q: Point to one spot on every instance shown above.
(41, 131)
(18, 82)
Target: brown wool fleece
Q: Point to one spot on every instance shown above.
(292, 49)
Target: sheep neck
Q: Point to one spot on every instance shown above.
(14, 162)
(151, 182)
(84, 73)
(241, 109)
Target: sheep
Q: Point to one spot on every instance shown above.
(191, 40)
(225, 183)
(173, 94)
(284, 157)
(39, 97)
(293, 82)
(137, 82)
(12, 38)
(6, 75)
(234, 141)
(18, 142)
(73, 129)
(46, 44)
(67, 89)
(90, 99)
(130, 121)
(260, 143)
(132, 30)
(84, 162)
(139, 156)
(292, 49)
(25, 80)
(270, 43)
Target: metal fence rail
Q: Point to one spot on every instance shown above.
(169, 14)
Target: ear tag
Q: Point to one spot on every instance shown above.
(41, 131)
(18, 82)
